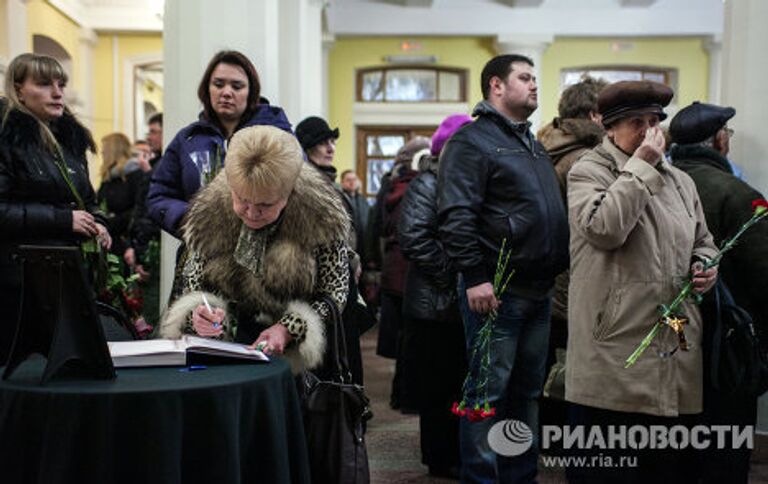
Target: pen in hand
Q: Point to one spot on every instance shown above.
(216, 324)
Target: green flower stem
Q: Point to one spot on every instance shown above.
(668, 311)
(686, 290)
(61, 165)
(481, 348)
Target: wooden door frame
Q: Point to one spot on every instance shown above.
(361, 131)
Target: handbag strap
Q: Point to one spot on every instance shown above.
(338, 343)
(717, 333)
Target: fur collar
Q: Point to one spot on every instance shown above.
(314, 215)
(562, 136)
(429, 163)
(21, 129)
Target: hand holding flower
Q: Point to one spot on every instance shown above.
(702, 279)
(102, 235)
(482, 299)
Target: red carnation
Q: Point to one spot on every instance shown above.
(458, 409)
(134, 304)
(488, 412)
(475, 415)
(759, 206)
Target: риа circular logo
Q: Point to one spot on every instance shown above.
(510, 437)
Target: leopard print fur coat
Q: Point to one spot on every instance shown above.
(276, 274)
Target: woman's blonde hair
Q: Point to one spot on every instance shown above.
(38, 68)
(115, 153)
(263, 159)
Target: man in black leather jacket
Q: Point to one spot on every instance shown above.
(496, 183)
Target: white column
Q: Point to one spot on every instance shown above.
(87, 43)
(328, 41)
(714, 47)
(301, 58)
(531, 46)
(18, 33)
(744, 86)
(282, 38)
(744, 71)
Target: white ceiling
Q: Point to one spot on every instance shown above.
(526, 17)
(454, 17)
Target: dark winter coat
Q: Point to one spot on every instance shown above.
(727, 203)
(194, 153)
(375, 227)
(393, 263)
(144, 229)
(429, 284)
(358, 210)
(118, 195)
(566, 140)
(496, 182)
(36, 204)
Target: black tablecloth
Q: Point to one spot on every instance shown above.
(225, 424)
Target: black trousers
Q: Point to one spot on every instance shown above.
(435, 359)
(726, 465)
(627, 465)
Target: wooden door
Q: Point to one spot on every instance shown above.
(376, 150)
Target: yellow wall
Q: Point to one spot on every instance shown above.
(128, 45)
(43, 19)
(349, 54)
(3, 37)
(685, 54)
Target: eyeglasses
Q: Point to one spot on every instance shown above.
(729, 131)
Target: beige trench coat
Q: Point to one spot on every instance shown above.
(635, 230)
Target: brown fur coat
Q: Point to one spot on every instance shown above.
(283, 280)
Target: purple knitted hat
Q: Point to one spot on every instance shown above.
(450, 125)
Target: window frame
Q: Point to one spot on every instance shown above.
(361, 165)
(462, 73)
(668, 73)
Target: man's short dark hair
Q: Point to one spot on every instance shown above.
(345, 173)
(500, 66)
(156, 118)
(580, 99)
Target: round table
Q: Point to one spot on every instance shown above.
(224, 424)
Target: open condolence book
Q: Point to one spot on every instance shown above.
(179, 352)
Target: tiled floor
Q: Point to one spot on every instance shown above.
(393, 439)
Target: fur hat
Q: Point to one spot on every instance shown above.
(628, 98)
(313, 130)
(698, 122)
(413, 146)
(450, 125)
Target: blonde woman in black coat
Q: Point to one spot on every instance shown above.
(46, 197)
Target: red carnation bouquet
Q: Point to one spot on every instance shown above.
(476, 381)
(670, 315)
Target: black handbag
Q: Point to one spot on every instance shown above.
(737, 364)
(335, 410)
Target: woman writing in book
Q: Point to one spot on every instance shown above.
(267, 251)
(46, 197)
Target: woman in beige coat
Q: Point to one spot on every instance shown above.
(637, 231)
